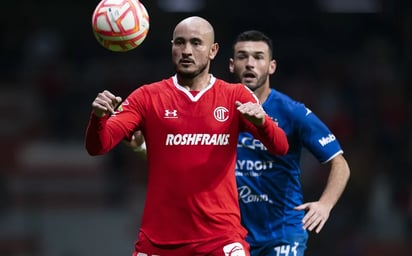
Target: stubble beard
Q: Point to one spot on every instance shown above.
(259, 83)
(192, 74)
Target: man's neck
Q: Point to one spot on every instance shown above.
(262, 93)
(196, 84)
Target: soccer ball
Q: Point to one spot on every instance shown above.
(120, 25)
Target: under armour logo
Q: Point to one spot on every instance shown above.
(170, 114)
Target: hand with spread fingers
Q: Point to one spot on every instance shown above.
(316, 215)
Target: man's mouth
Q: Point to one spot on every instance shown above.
(249, 75)
(186, 61)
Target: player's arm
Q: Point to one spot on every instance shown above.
(264, 128)
(310, 129)
(105, 103)
(317, 213)
(101, 137)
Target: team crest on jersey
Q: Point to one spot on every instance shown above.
(221, 114)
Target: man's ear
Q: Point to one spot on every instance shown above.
(272, 66)
(213, 50)
(231, 65)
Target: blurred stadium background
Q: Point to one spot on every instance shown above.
(348, 60)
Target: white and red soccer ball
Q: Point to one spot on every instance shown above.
(120, 25)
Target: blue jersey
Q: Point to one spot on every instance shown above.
(269, 186)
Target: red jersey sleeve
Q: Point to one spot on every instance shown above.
(103, 134)
(101, 138)
(270, 134)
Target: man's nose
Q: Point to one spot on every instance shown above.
(187, 48)
(250, 62)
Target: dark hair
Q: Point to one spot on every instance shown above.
(255, 36)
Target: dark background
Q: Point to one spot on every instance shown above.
(349, 61)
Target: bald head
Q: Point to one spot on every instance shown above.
(193, 48)
(195, 26)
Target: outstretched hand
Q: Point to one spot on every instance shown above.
(252, 112)
(316, 215)
(105, 103)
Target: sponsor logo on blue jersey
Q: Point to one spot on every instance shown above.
(326, 140)
(251, 143)
(250, 165)
(246, 195)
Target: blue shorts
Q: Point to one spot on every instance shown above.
(293, 247)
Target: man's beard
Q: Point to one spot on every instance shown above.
(191, 75)
(259, 83)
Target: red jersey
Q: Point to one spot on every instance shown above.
(191, 152)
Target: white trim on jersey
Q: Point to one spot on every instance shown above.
(191, 97)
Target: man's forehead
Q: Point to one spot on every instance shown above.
(190, 33)
(188, 36)
(252, 46)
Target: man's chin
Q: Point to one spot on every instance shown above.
(249, 82)
(186, 73)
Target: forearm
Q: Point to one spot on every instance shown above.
(337, 181)
(99, 139)
(273, 137)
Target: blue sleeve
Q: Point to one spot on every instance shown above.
(315, 135)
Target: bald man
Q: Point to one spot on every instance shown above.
(190, 122)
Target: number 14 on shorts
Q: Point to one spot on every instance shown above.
(286, 250)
